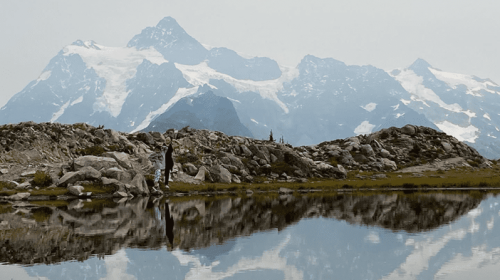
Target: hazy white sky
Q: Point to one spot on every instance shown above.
(454, 35)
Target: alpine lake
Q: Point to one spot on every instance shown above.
(312, 235)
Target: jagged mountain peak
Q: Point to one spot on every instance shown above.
(87, 44)
(172, 41)
(168, 23)
(420, 64)
(311, 59)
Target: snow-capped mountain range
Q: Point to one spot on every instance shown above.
(125, 88)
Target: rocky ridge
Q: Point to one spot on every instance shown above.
(77, 154)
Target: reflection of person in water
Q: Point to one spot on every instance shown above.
(169, 225)
(169, 164)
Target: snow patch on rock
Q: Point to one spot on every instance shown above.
(370, 106)
(473, 85)
(116, 65)
(364, 128)
(181, 93)
(201, 74)
(469, 133)
(59, 113)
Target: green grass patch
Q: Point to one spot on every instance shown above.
(48, 191)
(42, 179)
(51, 203)
(98, 188)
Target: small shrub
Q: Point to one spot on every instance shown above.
(150, 180)
(384, 135)
(42, 179)
(473, 163)
(91, 151)
(333, 161)
(6, 185)
(483, 184)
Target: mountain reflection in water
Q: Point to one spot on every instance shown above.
(371, 235)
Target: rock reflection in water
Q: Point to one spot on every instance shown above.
(30, 233)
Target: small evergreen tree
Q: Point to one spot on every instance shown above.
(271, 136)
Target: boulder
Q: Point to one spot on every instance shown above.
(213, 137)
(389, 164)
(97, 163)
(157, 136)
(273, 158)
(90, 173)
(446, 146)
(30, 173)
(118, 186)
(146, 138)
(295, 160)
(339, 172)
(85, 173)
(118, 174)
(123, 159)
(190, 169)
(385, 153)
(236, 179)
(201, 174)
(367, 150)
(22, 186)
(220, 174)
(75, 190)
(245, 151)
(259, 153)
(114, 136)
(409, 129)
(138, 185)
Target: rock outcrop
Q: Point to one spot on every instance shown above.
(67, 152)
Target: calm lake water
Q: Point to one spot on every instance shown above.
(370, 236)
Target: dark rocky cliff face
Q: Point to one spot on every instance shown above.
(206, 111)
(78, 230)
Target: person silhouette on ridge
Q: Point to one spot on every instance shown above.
(169, 164)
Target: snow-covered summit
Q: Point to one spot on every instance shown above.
(462, 105)
(321, 99)
(172, 41)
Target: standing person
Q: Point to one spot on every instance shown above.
(158, 159)
(169, 164)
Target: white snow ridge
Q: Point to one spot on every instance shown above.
(116, 65)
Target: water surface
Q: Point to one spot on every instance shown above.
(370, 236)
